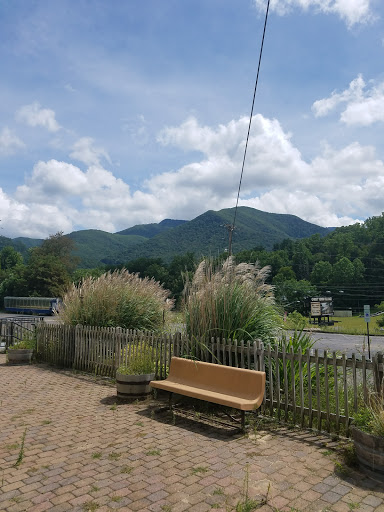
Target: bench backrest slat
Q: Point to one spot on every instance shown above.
(238, 382)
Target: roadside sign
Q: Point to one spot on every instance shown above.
(367, 313)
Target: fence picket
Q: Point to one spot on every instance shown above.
(318, 390)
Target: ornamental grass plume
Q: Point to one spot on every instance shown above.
(232, 302)
(370, 416)
(116, 299)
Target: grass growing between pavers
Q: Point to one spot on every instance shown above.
(90, 506)
(21, 451)
(248, 504)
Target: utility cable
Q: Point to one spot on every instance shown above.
(231, 227)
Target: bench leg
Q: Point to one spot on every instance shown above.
(243, 421)
(170, 400)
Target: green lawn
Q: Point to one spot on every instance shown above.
(352, 325)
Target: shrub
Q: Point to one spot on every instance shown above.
(231, 302)
(296, 321)
(116, 299)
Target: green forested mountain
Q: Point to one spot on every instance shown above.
(151, 230)
(28, 242)
(95, 247)
(204, 235)
(207, 233)
(21, 245)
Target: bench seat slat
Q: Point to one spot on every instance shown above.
(209, 396)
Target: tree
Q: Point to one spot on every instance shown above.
(321, 274)
(343, 272)
(61, 248)
(46, 276)
(49, 266)
(301, 260)
(284, 274)
(293, 294)
(9, 258)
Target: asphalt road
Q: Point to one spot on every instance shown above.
(348, 343)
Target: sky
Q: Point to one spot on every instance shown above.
(120, 113)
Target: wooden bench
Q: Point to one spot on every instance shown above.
(237, 388)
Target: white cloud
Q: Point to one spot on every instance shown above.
(32, 219)
(9, 142)
(35, 115)
(52, 181)
(337, 187)
(350, 11)
(85, 151)
(364, 104)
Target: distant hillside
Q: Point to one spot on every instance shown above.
(19, 244)
(208, 235)
(151, 230)
(95, 247)
(204, 235)
(29, 242)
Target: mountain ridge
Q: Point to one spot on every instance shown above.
(207, 234)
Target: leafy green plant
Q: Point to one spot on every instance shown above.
(28, 342)
(141, 361)
(232, 302)
(296, 321)
(116, 299)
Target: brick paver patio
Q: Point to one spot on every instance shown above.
(82, 452)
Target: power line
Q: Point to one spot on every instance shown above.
(231, 227)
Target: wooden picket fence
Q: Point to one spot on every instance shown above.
(316, 389)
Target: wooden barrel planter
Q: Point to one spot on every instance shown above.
(20, 356)
(369, 452)
(133, 386)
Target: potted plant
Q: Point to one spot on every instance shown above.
(367, 433)
(133, 378)
(21, 352)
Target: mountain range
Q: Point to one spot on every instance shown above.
(207, 234)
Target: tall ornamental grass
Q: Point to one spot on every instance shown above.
(232, 302)
(116, 299)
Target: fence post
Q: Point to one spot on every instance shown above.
(77, 347)
(378, 372)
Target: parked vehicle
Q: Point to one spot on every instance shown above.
(31, 305)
